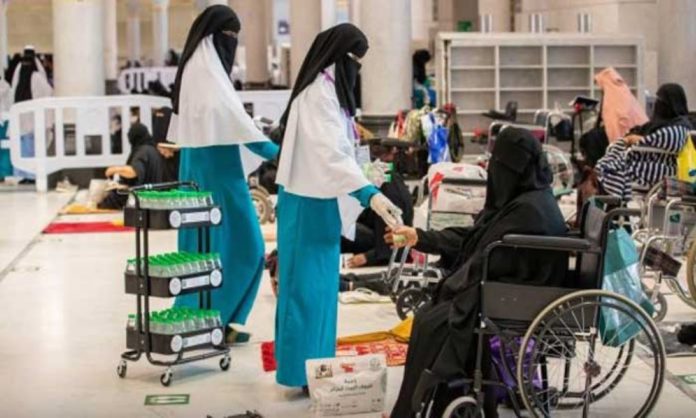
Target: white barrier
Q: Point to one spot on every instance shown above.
(51, 118)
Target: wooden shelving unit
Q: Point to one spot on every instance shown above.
(479, 72)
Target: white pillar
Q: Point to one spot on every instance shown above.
(421, 21)
(133, 30)
(305, 24)
(677, 45)
(3, 36)
(255, 17)
(354, 12)
(110, 40)
(160, 31)
(203, 4)
(386, 72)
(78, 47)
(328, 14)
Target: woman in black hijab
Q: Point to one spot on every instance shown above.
(27, 68)
(519, 200)
(661, 140)
(145, 165)
(330, 47)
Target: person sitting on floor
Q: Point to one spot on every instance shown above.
(519, 200)
(144, 165)
(368, 247)
(661, 139)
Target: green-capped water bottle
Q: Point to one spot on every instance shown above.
(131, 322)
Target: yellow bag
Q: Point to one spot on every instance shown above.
(686, 162)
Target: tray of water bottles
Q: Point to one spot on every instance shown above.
(177, 329)
(172, 209)
(175, 274)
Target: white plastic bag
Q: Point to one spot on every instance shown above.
(347, 385)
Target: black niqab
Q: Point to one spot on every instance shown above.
(213, 21)
(332, 47)
(420, 59)
(26, 70)
(671, 108)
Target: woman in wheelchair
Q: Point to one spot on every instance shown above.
(519, 200)
(649, 152)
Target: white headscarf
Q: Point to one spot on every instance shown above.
(318, 157)
(210, 110)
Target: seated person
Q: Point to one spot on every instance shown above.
(368, 247)
(519, 200)
(145, 164)
(666, 131)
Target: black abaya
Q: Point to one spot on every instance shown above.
(519, 201)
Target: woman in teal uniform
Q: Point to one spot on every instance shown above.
(322, 192)
(220, 147)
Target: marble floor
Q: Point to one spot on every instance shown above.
(64, 312)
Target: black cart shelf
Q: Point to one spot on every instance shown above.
(184, 347)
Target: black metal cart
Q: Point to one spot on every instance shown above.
(140, 340)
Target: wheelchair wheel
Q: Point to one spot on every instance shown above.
(410, 301)
(568, 362)
(262, 204)
(690, 271)
(463, 407)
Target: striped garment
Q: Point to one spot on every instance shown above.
(622, 167)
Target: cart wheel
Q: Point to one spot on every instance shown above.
(121, 369)
(464, 406)
(410, 301)
(225, 363)
(166, 378)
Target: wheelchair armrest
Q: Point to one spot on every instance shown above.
(546, 242)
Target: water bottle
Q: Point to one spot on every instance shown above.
(131, 322)
(155, 324)
(218, 319)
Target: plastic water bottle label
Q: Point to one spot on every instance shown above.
(195, 217)
(197, 340)
(194, 282)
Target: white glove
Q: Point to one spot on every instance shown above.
(389, 212)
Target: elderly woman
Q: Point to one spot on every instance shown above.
(661, 139)
(519, 200)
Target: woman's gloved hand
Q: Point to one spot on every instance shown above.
(402, 236)
(389, 212)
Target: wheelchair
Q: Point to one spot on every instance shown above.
(666, 230)
(564, 366)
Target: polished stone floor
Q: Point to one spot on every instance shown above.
(62, 331)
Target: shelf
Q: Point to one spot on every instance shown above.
(474, 90)
(172, 344)
(472, 67)
(521, 67)
(569, 88)
(512, 89)
(167, 287)
(568, 66)
(172, 219)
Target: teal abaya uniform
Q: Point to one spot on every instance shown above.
(238, 239)
(309, 251)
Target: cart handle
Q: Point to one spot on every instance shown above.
(161, 186)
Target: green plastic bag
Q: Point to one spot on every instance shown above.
(621, 275)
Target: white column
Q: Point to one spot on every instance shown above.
(133, 30)
(354, 12)
(3, 36)
(305, 24)
(110, 40)
(160, 31)
(386, 72)
(677, 45)
(421, 21)
(78, 47)
(328, 14)
(203, 4)
(255, 18)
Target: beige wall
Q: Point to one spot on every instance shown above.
(636, 17)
